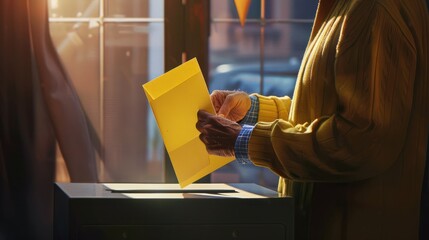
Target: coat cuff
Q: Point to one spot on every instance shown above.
(260, 148)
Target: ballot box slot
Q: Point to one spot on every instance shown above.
(208, 191)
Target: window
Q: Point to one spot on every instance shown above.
(264, 57)
(110, 48)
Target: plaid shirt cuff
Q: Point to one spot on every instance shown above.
(251, 117)
(241, 144)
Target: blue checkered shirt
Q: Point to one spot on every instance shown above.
(248, 123)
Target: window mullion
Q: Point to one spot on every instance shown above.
(101, 81)
(262, 47)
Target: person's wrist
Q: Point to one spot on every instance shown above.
(242, 143)
(251, 117)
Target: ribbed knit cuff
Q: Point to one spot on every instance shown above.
(260, 148)
(267, 108)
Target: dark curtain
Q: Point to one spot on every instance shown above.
(424, 207)
(38, 106)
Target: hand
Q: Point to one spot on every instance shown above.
(231, 104)
(217, 133)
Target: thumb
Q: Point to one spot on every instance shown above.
(226, 107)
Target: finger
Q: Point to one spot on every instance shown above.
(209, 142)
(220, 150)
(206, 128)
(213, 147)
(215, 93)
(202, 137)
(200, 125)
(227, 105)
(202, 115)
(216, 98)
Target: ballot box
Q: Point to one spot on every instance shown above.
(166, 211)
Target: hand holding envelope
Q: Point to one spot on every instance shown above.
(217, 133)
(175, 98)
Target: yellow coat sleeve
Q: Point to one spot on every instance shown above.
(272, 108)
(374, 77)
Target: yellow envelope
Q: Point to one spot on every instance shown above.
(175, 98)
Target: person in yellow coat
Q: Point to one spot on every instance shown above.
(350, 146)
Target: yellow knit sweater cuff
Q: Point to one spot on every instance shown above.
(261, 152)
(272, 108)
